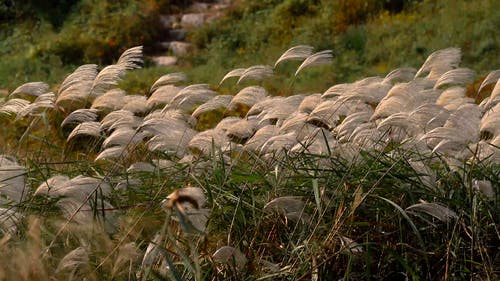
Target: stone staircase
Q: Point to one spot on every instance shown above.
(178, 26)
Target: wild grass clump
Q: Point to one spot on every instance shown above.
(385, 178)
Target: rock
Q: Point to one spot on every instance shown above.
(199, 7)
(177, 34)
(179, 48)
(165, 60)
(192, 20)
(168, 21)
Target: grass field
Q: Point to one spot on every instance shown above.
(347, 159)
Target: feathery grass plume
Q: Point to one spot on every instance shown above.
(437, 210)
(109, 76)
(163, 95)
(260, 137)
(309, 103)
(215, 103)
(427, 117)
(400, 75)
(367, 136)
(282, 110)
(227, 122)
(264, 105)
(233, 73)
(172, 113)
(79, 187)
(42, 102)
(440, 62)
(300, 52)
(248, 96)
(453, 97)
(285, 204)
(296, 122)
(203, 142)
(76, 87)
(424, 173)
(279, 143)
(405, 97)
(485, 188)
(76, 263)
(459, 76)
(337, 90)
(9, 221)
(190, 96)
(127, 258)
(230, 256)
(175, 142)
(79, 116)
(131, 58)
(30, 89)
(345, 129)
(242, 130)
(461, 128)
(12, 180)
(13, 106)
(328, 113)
(168, 79)
(188, 202)
(490, 122)
(492, 78)
(86, 128)
(319, 58)
(124, 136)
(135, 104)
(494, 97)
(256, 72)
(140, 167)
(120, 118)
(487, 151)
(113, 99)
(114, 152)
(370, 90)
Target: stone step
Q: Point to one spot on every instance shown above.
(164, 60)
(193, 20)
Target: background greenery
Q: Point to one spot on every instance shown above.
(46, 41)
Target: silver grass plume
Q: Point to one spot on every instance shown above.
(79, 116)
(40, 105)
(12, 180)
(14, 106)
(459, 76)
(90, 128)
(188, 203)
(217, 102)
(31, 89)
(162, 95)
(109, 76)
(319, 58)
(492, 78)
(192, 95)
(113, 99)
(256, 72)
(300, 52)
(168, 79)
(230, 256)
(75, 262)
(440, 62)
(233, 73)
(437, 210)
(249, 96)
(399, 75)
(76, 87)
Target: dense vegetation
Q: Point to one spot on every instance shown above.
(134, 172)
